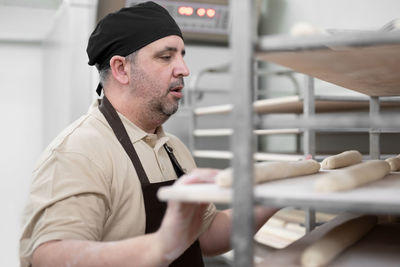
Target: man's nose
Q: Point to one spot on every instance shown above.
(181, 69)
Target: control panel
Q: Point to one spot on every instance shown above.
(200, 21)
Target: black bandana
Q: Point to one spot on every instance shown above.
(127, 30)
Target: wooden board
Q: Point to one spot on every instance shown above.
(276, 237)
(382, 196)
(282, 229)
(294, 104)
(372, 70)
(229, 132)
(379, 197)
(216, 154)
(379, 248)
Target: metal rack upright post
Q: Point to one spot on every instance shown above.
(242, 44)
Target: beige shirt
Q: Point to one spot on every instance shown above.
(85, 186)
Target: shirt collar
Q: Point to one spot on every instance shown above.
(134, 132)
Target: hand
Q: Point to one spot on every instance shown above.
(182, 222)
(198, 176)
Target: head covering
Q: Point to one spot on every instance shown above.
(127, 30)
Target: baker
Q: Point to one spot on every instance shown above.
(93, 197)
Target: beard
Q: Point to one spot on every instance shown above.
(160, 105)
(162, 108)
(169, 108)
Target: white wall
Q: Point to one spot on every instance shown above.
(341, 14)
(29, 74)
(21, 136)
(21, 30)
(68, 82)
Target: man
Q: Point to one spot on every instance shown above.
(93, 199)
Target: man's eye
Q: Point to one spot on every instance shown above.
(165, 57)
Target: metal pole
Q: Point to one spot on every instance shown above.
(192, 128)
(242, 45)
(374, 134)
(309, 111)
(309, 139)
(192, 106)
(310, 219)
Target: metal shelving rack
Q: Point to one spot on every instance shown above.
(245, 47)
(287, 48)
(289, 51)
(243, 68)
(305, 102)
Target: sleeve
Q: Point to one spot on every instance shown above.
(69, 199)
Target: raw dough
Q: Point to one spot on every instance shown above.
(336, 240)
(353, 176)
(341, 160)
(305, 29)
(394, 163)
(267, 171)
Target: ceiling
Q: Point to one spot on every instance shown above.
(43, 4)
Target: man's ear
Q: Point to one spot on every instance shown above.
(119, 69)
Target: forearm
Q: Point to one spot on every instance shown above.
(180, 227)
(139, 251)
(261, 216)
(216, 239)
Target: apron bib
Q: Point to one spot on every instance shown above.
(154, 208)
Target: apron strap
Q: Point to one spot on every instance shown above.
(120, 132)
(177, 167)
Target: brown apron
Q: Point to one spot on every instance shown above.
(154, 208)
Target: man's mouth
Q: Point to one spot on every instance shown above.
(177, 91)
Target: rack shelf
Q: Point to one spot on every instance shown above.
(378, 248)
(381, 197)
(294, 104)
(228, 132)
(218, 154)
(366, 62)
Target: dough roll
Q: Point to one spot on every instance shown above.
(353, 176)
(267, 171)
(394, 163)
(324, 250)
(341, 160)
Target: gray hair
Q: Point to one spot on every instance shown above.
(105, 72)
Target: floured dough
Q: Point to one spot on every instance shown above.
(353, 176)
(267, 171)
(341, 160)
(394, 163)
(324, 250)
(305, 29)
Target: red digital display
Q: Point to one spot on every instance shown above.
(185, 10)
(200, 12)
(210, 13)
